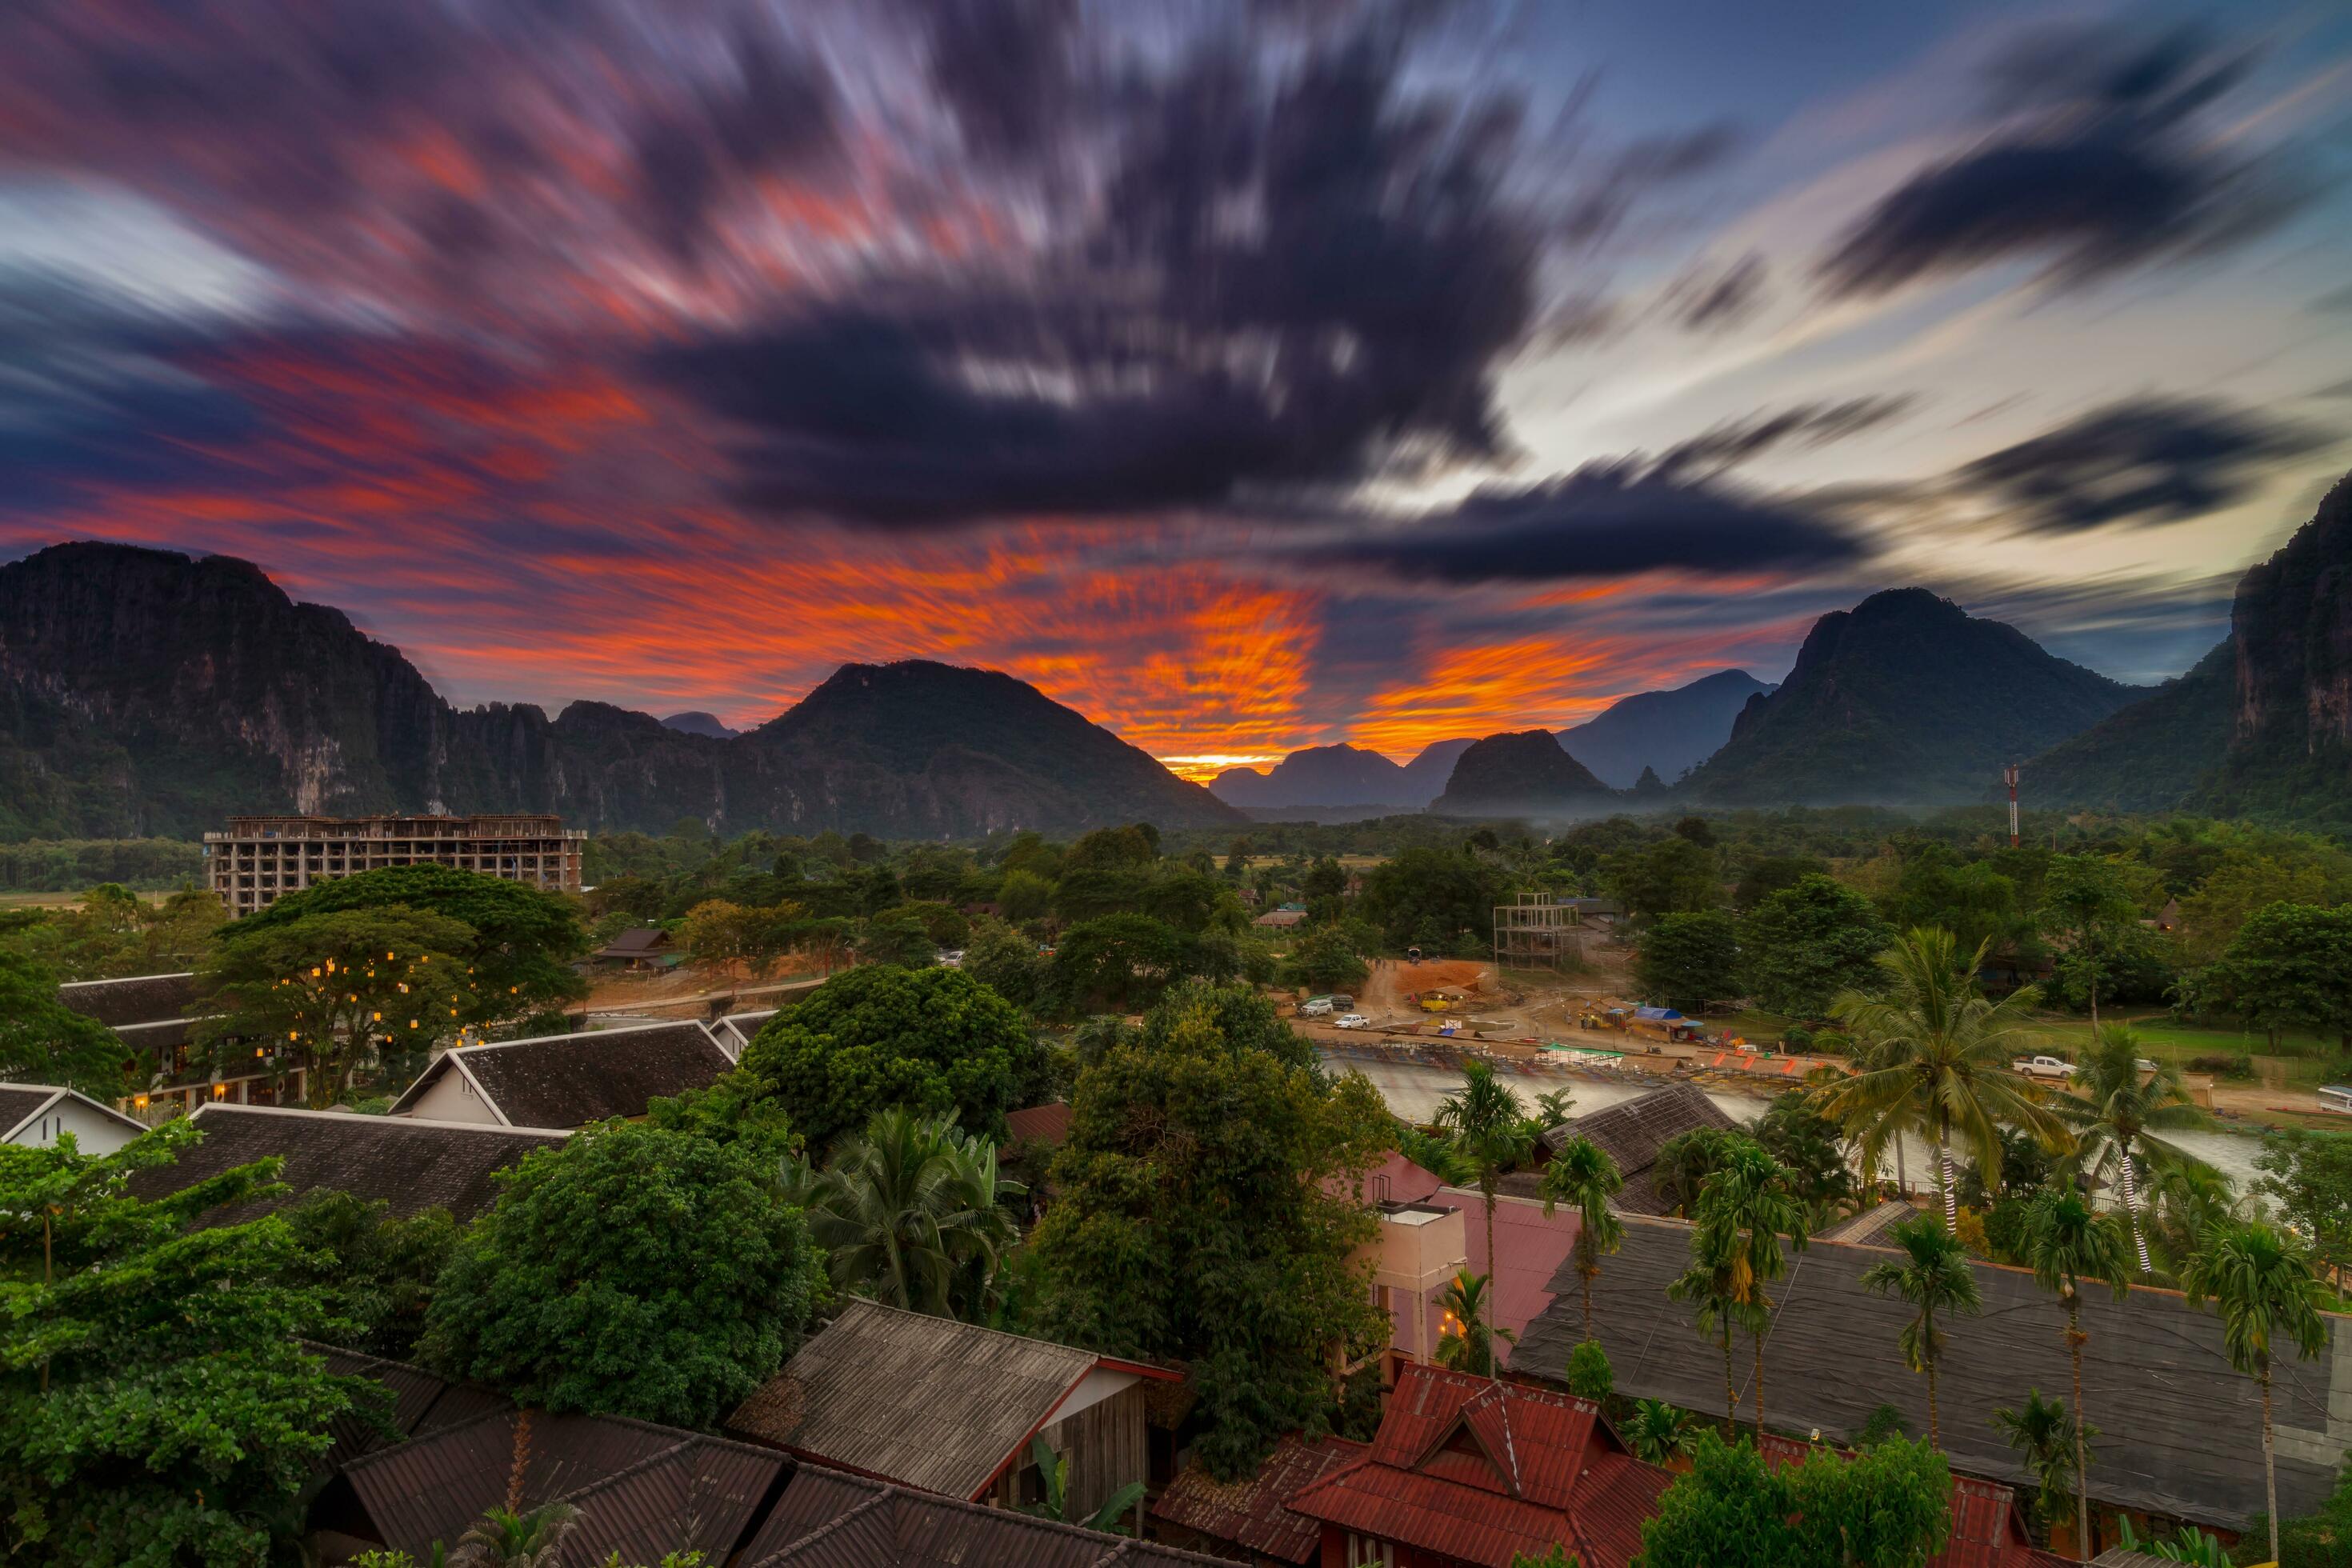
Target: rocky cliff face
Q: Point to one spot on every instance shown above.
(145, 693)
(1904, 699)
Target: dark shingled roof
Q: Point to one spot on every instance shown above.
(2181, 1431)
(641, 1490)
(574, 1080)
(928, 1402)
(738, 1030)
(828, 1520)
(18, 1102)
(1256, 1513)
(410, 1165)
(638, 941)
(1633, 1133)
(139, 999)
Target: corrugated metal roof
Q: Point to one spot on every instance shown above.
(928, 1402)
(2179, 1428)
(1048, 1124)
(1631, 1134)
(870, 1524)
(1256, 1513)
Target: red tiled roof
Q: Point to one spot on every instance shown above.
(1481, 1470)
(1256, 1513)
(1047, 1124)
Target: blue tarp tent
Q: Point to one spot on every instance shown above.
(1658, 1015)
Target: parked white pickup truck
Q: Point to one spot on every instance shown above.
(2042, 1066)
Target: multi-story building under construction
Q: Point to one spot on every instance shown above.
(1539, 931)
(259, 858)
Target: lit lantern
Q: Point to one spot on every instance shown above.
(412, 1023)
(314, 971)
(293, 1034)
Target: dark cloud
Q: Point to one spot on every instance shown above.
(1006, 68)
(1290, 283)
(1807, 425)
(1709, 298)
(2104, 160)
(1605, 521)
(778, 114)
(2144, 462)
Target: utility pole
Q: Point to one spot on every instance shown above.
(2009, 776)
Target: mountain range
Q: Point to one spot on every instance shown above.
(1342, 775)
(1668, 733)
(143, 692)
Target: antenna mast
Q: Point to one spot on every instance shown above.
(2009, 776)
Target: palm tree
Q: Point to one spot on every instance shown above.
(1656, 1431)
(2184, 1201)
(1466, 1341)
(1750, 1201)
(1490, 1128)
(1583, 1174)
(2261, 1283)
(503, 1538)
(2116, 1116)
(2049, 1441)
(1719, 1309)
(2066, 1243)
(1933, 1277)
(912, 1210)
(1937, 1055)
(1552, 1106)
(1435, 1153)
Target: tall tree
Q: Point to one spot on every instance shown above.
(1887, 1507)
(523, 942)
(1937, 1057)
(633, 1270)
(2288, 967)
(2308, 1175)
(2261, 1283)
(2087, 904)
(44, 1041)
(911, 1213)
(2067, 1243)
(1751, 1202)
(338, 992)
(1192, 1219)
(156, 1406)
(1934, 1277)
(1709, 1283)
(2049, 1443)
(1688, 960)
(1583, 1176)
(1803, 946)
(1490, 1127)
(2118, 1111)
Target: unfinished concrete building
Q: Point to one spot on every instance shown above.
(261, 858)
(1536, 931)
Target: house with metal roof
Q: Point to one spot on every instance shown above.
(952, 1408)
(565, 1080)
(1632, 1132)
(1251, 1520)
(2179, 1428)
(829, 1520)
(640, 947)
(35, 1114)
(407, 1163)
(1469, 1471)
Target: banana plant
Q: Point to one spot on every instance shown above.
(1055, 1476)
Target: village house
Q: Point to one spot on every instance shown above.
(565, 1080)
(640, 947)
(1251, 1520)
(952, 1408)
(1632, 1133)
(170, 1075)
(35, 1115)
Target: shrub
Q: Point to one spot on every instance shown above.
(1797, 1037)
(1590, 1375)
(2240, 1066)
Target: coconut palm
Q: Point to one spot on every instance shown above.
(1552, 1106)
(1935, 1058)
(2184, 1202)
(502, 1538)
(1750, 1199)
(1436, 1154)
(1490, 1128)
(911, 1215)
(2116, 1117)
(2049, 1443)
(2067, 1243)
(2261, 1283)
(1656, 1431)
(1584, 1175)
(1718, 1306)
(1466, 1341)
(1933, 1277)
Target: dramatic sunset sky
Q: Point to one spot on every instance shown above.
(1248, 374)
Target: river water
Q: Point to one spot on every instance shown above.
(1413, 1089)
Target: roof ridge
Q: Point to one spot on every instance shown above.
(695, 1023)
(387, 1121)
(830, 1525)
(129, 979)
(410, 1445)
(659, 1456)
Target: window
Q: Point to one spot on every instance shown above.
(1364, 1551)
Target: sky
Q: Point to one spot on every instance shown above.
(1249, 374)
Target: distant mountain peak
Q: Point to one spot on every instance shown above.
(1670, 731)
(695, 722)
(1521, 774)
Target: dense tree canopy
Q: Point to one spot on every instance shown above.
(1190, 1219)
(1802, 946)
(43, 1041)
(1887, 1507)
(1122, 962)
(1439, 900)
(524, 943)
(2289, 967)
(1687, 961)
(934, 1040)
(1675, 875)
(633, 1270)
(155, 1408)
(374, 1274)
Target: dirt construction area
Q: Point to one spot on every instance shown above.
(1472, 995)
